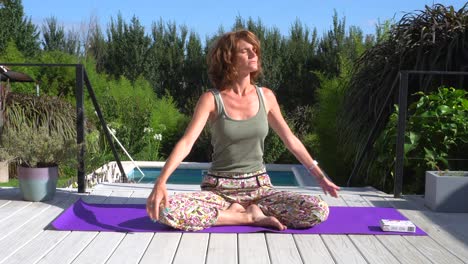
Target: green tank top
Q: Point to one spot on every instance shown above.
(238, 144)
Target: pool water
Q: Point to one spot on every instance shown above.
(194, 176)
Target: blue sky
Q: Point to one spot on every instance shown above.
(205, 17)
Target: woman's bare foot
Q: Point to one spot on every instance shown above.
(235, 207)
(260, 219)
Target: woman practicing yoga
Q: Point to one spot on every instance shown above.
(237, 189)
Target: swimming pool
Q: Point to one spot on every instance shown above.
(194, 176)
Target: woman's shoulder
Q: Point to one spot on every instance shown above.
(206, 97)
(207, 100)
(268, 93)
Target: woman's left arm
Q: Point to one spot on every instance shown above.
(279, 125)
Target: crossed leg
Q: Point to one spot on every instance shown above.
(236, 214)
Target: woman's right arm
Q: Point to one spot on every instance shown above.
(203, 111)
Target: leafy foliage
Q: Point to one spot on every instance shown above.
(39, 146)
(51, 112)
(432, 39)
(54, 35)
(14, 26)
(343, 48)
(39, 131)
(436, 132)
(167, 120)
(127, 48)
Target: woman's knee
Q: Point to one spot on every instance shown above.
(188, 218)
(311, 212)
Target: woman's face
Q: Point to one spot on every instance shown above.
(246, 57)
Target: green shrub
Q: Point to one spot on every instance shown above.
(39, 146)
(167, 120)
(436, 132)
(274, 148)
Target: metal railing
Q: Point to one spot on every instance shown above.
(81, 80)
(401, 127)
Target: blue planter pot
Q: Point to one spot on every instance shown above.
(38, 184)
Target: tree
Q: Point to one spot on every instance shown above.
(95, 45)
(299, 60)
(127, 48)
(14, 26)
(53, 35)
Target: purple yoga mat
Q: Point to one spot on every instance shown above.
(82, 216)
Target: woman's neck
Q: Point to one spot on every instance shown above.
(242, 86)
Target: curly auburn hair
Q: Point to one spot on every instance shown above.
(221, 58)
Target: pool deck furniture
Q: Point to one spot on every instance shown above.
(26, 237)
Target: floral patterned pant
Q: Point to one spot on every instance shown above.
(199, 210)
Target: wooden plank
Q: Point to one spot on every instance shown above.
(455, 223)
(13, 242)
(372, 249)
(369, 246)
(341, 247)
(432, 250)
(131, 249)
(139, 197)
(282, 248)
(97, 196)
(11, 208)
(76, 242)
(192, 248)
(3, 202)
(39, 247)
(354, 200)
(253, 249)
(133, 245)
(162, 248)
(397, 245)
(105, 243)
(100, 248)
(20, 218)
(448, 247)
(222, 248)
(69, 248)
(331, 201)
(118, 197)
(446, 243)
(312, 249)
(346, 190)
(404, 251)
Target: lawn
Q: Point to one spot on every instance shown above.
(61, 183)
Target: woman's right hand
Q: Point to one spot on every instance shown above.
(157, 196)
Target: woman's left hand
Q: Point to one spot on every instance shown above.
(329, 187)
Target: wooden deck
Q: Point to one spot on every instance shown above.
(25, 235)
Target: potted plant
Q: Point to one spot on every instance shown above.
(446, 191)
(38, 151)
(39, 131)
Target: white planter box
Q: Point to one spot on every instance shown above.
(4, 171)
(447, 193)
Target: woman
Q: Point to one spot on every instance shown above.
(237, 189)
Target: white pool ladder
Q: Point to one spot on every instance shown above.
(128, 155)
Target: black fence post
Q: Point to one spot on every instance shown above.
(104, 126)
(400, 143)
(79, 95)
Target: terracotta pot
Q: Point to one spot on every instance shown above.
(38, 184)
